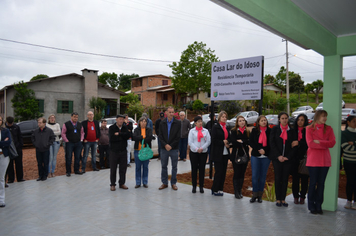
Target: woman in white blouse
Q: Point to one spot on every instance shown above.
(199, 141)
(53, 150)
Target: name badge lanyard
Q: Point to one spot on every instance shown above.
(75, 127)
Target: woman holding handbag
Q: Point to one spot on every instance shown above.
(239, 138)
(320, 137)
(199, 141)
(220, 153)
(259, 142)
(301, 150)
(142, 132)
(5, 141)
(282, 154)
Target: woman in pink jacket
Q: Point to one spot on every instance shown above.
(320, 137)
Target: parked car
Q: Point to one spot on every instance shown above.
(320, 106)
(309, 115)
(205, 118)
(346, 113)
(111, 121)
(27, 127)
(302, 109)
(250, 117)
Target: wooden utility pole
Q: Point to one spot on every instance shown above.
(287, 77)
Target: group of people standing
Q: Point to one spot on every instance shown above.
(286, 147)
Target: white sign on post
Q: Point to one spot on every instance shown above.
(239, 79)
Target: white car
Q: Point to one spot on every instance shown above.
(111, 121)
(303, 110)
(250, 117)
(320, 106)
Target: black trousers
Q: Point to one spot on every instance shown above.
(18, 167)
(42, 163)
(104, 152)
(281, 174)
(197, 162)
(118, 158)
(350, 170)
(299, 192)
(220, 174)
(239, 175)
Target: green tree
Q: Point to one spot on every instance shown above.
(130, 98)
(110, 79)
(125, 81)
(98, 105)
(192, 73)
(296, 84)
(231, 107)
(135, 108)
(39, 76)
(270, 100)
(280, 79)
(307, 89)
(294, 101)
(24, 103)
(268, 79)
(316, 88)
(198, 105)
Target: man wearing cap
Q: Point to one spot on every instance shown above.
(118, 136)
(169, 135)
(183, 142)
(73, 135)
(158, 121)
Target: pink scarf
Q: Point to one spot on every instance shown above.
(223, 124)
(263, 137)
(300, 133)
(284, 135)
(200, 134)
(242, 130)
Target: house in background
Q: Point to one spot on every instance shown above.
(154, 90)
(64, 94)
(273, 87)
(349, 86)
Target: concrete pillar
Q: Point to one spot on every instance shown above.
(332, 93)
(90, 88)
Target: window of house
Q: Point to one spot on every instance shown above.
(40, 105)
(352, 86)
(164, 82)
(137, 82)
(65, 107)
(164, 97)
(139, 97)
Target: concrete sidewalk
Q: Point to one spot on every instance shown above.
(84, 205)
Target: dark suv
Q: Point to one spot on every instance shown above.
(27, 127)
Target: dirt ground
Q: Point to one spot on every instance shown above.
(31, 172)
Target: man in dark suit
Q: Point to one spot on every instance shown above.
(169, 136)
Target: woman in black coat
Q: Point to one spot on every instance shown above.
(239, 138)
(282, 154)
(142, 132)
(220, 153)
(301, 150)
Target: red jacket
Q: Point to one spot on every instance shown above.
(318, 155)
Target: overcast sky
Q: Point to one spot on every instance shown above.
(143, 29)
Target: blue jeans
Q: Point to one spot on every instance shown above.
(141, 169)
(164, 162)
(183, 144)
(316, 187)
(70, 148)
(92, 146)
(53, 151)
(259, 171)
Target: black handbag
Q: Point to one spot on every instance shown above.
(12, 149)
(302, 169)
(241, 159)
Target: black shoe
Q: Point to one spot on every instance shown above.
(21, 180)
(241, 195)
(39, 179)
(279, 204)
(320, 212)
(237, 195)
(201, 190)
(314, 212)
(6, 185)
(78, 173)
(44, 178)
(10, 181)
(194, 190)
(285, 204)
(96, 170)
(68, 174)
(2, 205)
(83, 172)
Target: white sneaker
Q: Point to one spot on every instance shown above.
(353, 206)
(348, 205)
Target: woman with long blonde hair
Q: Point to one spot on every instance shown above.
(320, 137)
(239, 138)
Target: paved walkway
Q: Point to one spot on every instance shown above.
(84, 205)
